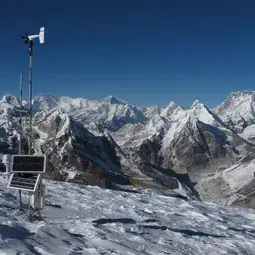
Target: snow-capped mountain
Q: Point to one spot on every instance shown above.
(197, 138)
(154, 147)
(134, 135)
(169, 109)
(150, 112)
(186, 140)
(89, 220)
(75, 154)
(238, 112)
(239, 108)
(111, 113)
(9, 101)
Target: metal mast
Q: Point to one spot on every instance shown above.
(30, 51)
(20, 120)
(28, 39)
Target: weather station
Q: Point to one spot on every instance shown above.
(25, 172)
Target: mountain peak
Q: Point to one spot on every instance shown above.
(242, 93)
(168, 110)
(172, 104)
(10, 99)
(44, 95)
(195, 103)
(237, 106)
(114, 100)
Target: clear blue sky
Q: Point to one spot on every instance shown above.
(146, 52)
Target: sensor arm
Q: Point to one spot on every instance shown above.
(28, 38)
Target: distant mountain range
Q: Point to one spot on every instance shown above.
(150, 147)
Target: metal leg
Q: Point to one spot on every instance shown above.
(20, 201)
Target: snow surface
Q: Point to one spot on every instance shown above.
(239, 175)
(65, 126)
(249, 133)
(9, 101)
(149, 112)
(90, 220)
(138, 133)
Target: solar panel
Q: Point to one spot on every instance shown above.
(28, 164)
(28, 182)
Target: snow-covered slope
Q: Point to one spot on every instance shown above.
(152, 111)
(197, 138)
(238, 112)
(149, 112)
(249, 133)
(92, 221)
(179, 119)
(234, 185)
(9, 101)
(239, 107)
(135, 135)
(169, 109)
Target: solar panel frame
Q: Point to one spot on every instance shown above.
(25, 164)
(23, 186)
